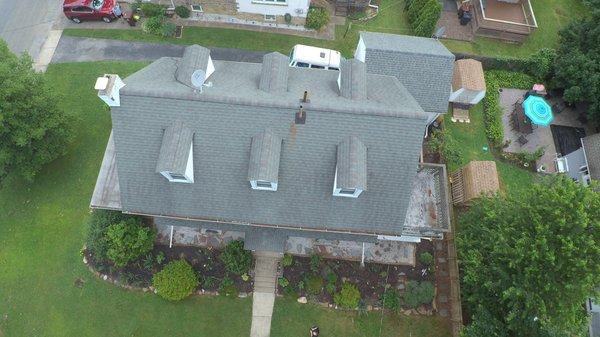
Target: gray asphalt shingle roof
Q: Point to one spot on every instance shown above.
(591, 145)
(174, 149)
(264, 157)
(352, 164)
(194, 57)
(353, 79)
(225, 116)
(424, 66)
(274, 73)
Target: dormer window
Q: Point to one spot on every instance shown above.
(263, 169)
(351, 170)
(176, 156)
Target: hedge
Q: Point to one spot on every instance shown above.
(176, 281)
(492, 111)
(423, 16)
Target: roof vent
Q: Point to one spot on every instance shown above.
(301, 116)
(265, 151)
(351, 170)
(352, 80)
(175, 159)
(274, 73)
(108, 87)
(195, 67)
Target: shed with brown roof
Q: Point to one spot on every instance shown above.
(475, 179)
(468, 82)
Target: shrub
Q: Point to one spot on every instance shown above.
(283, 282)
(153, 25)
(444, 144)
(99, 221)
(287, 18)
(236, 259)
(348, 297)
(152, 10)
(315, 262)
(391, 299)
(540, 64)
(128, 240)
(176, 281)
(314, 284)
(182, 11)
(417, 293)
(168, 29)
(209, 282)
(316, 18)
(426, 258)
(287, 260)
(423, 16)
(227, 287)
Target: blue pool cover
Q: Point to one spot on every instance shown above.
(538, 110)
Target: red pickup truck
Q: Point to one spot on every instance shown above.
(80, 10)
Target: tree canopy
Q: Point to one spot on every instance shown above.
(529, 261)
(577, 65)
(33, 129)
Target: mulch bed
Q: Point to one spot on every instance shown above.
(370, 280)
(205, 262)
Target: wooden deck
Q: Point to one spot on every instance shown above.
(107, 193)
(502, 20)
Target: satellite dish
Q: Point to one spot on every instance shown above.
(198, 78)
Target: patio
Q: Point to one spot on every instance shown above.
(507, 20)
(539, 136)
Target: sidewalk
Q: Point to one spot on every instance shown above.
(263, 298)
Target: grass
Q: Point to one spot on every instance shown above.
(471, 139)
(551, 16)
(42, 229)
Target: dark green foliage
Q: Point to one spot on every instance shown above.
(237, 260)
(98, 223)
(33, 129)
(541, 64)
(176, 281)
(152, 10)
(423, 16)
(153, 25)
(417, 293)
(283, 282)
(426, 258)
(227, 287)
(128, 240)
(287, 18)
(444, 144)
(160, 257)
(314, 284)
(183, 11)
(391, 299)
(209, 282)
(315, 262)
(287, 260)
(529, 260)
(577, 65)
(317, 18)
(168, 29)
(148, 262)
(492, 112)
(348, 297)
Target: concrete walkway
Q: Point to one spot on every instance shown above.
(79, 49)
(263, 299)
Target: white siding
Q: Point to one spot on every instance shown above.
(290, 6)
(361, 51)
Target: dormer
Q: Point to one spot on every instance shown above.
(195, 67)
(351, 168)
(274, 73)
(108, 87)
(176, 158)
(263, 168)
(352, 80)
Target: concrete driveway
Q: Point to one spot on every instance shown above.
(77, 49)
(25, 24)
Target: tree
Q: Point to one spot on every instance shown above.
(128, 240)
(33, 129)
(577, 65)
(529, 261)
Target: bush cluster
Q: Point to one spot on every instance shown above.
(391, 299)
(442, 142)
(423, 15)
(316, 18)
(426, 258)
(237, 260)
(98, 223)
(176, 281)
(152, 10)
(314, 284)
(417, 293)
(128, 240)
(492, 111)
(348, 297)
(182, 11)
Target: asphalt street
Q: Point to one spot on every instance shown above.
(25, 24)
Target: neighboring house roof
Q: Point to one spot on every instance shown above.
(224, 117)
(175, 148)
(424, 66)
(475, 179)
(468, 74)
(264, 157)
(591, 146)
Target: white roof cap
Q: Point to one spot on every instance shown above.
(101, 83)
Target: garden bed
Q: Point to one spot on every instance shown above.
(205, 262)
(318, 279)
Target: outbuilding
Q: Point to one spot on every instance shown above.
(476, 179)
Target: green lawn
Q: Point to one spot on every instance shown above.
(471, 139)
(550, 14)
(42, 231)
